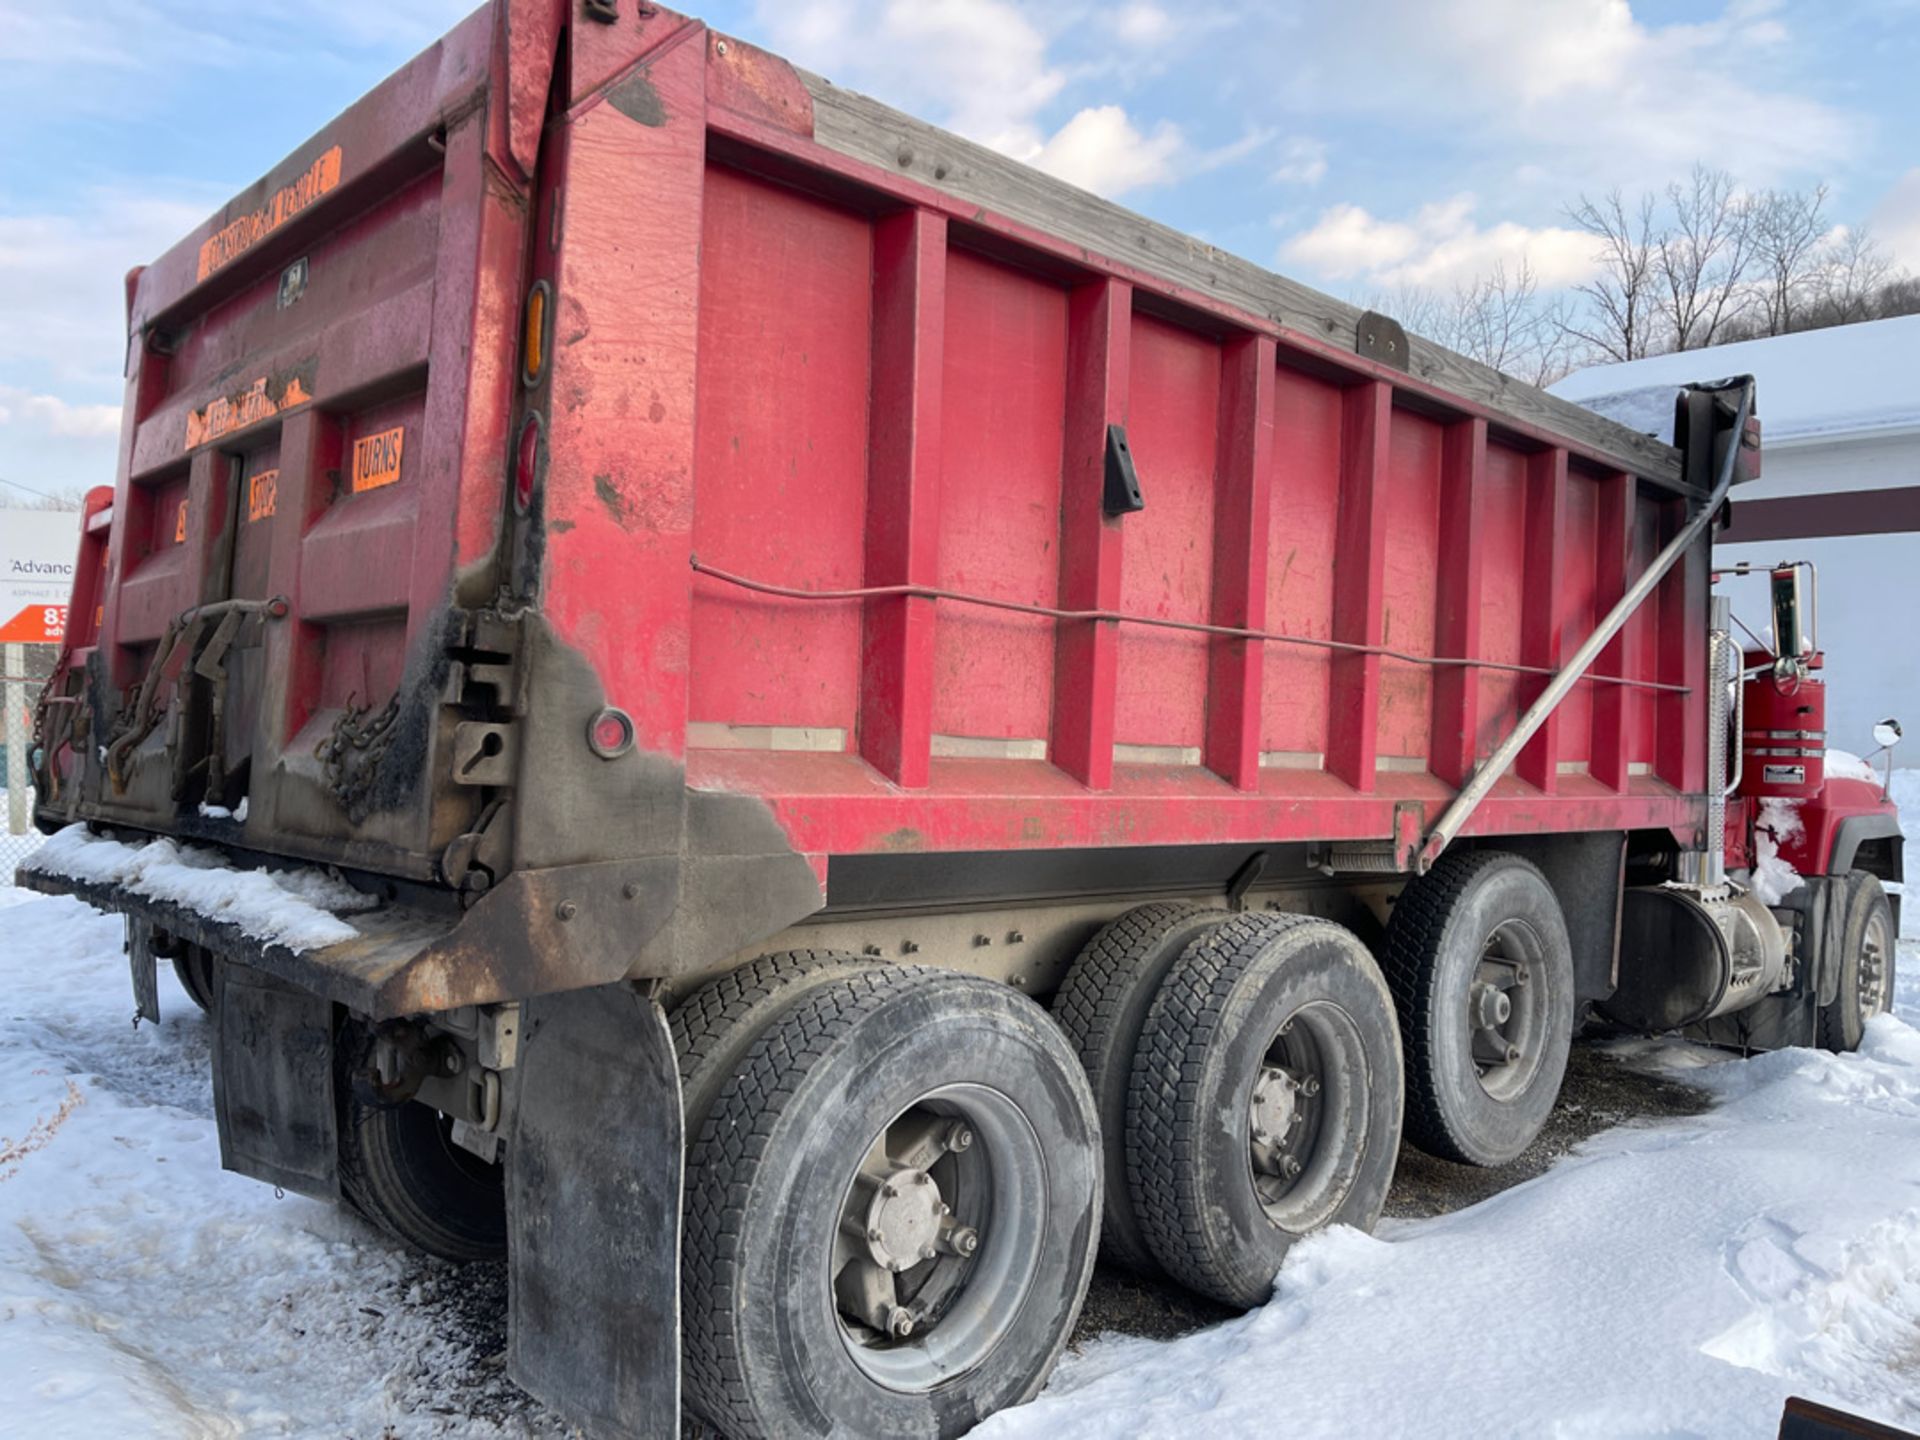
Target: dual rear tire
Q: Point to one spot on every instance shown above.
(892, 1200)
(1247, 1073)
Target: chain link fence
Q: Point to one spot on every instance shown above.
(23, 672)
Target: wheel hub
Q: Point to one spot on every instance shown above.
(1275, 1105)
(906, 1271)
(1491, 1007)
(902, 1221)
(1277, 1115)
(1502, 1008)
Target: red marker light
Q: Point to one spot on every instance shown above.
(527, 463)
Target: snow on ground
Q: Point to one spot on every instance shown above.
(1679, 1279)
(143, 1291)
(1666, 1279)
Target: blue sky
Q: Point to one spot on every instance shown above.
(1362, 146)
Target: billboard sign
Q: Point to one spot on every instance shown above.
(37, 550)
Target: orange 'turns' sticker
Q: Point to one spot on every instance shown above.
(376, 459)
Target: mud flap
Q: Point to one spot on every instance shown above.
(594, 1162)
(146, 977)
(273, 1082)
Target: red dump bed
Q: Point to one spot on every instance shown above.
(819, 502)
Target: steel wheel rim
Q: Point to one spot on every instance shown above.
(1506, 1011)
(994, 1184)
(1870, 971)
(1308, 1111)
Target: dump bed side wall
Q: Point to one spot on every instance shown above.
(833, 427)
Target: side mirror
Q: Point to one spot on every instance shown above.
(1789, 638)
(1887, 733)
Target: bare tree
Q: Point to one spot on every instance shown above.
(1622, 297)
(1853, 273)
(1500, 319)
(1899, 296)
(1702, 257)
(1787, 231)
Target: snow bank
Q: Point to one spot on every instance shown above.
(294, 908)
(1672, 1280)
(1777, 824)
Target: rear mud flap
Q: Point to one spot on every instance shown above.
(594, 1163)
(273, 1082)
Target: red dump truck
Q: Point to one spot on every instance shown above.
(871, 725)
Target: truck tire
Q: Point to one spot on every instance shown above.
(1266, 1100)
(193, 967)
(1481, 938)
(1867, 952)
(1101, 1006)
(714, 1027)
(889, 1116)
(400, 1169)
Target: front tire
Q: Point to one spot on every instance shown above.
(1481, 969)
(1266, 1101)
(1867, 952)
(892, 1209)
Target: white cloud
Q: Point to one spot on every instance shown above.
(1895, 221)
(1439, 246)
(54, 416)
(1612, 98)
(1303, 161)
(983, 68)
(1144, 25)
(1099, 149)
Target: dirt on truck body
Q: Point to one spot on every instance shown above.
(801, 728)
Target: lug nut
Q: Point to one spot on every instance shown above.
(959, 1138)
(1310, 1086)
(964, 1239)
(1290, 1167)
(899, 1322)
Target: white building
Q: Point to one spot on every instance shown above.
(1840, 486)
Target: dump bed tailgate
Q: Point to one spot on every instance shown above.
(311, 455)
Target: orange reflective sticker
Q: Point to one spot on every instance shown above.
(251, 406)
(262, 491)
(180, 525)
(376, 459)
(236, 237)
